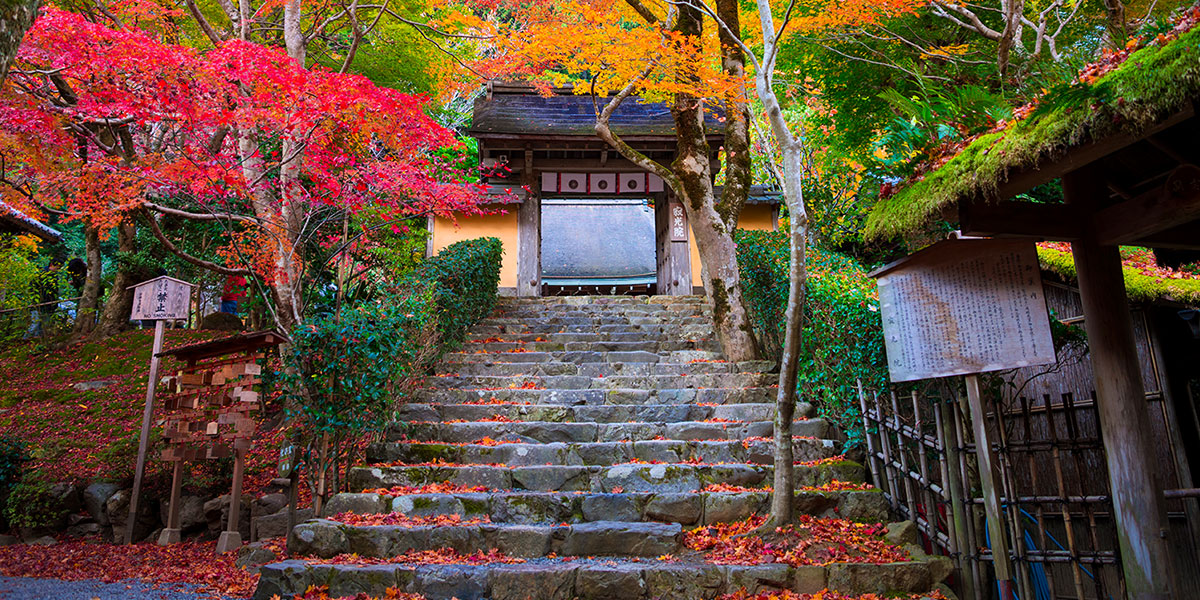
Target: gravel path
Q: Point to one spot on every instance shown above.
(30, 588)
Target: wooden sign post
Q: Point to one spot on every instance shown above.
(160, 300)
(210, 412)
(964, 307)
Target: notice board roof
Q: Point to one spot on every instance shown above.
(242, 342)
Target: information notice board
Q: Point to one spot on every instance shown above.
(964, 306)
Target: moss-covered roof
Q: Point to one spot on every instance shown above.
(1145, 281)
(1152, 83)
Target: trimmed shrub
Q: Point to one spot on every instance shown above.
(464, 277)
(843, 333)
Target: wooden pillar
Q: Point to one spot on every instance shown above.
(989, 478)
(674, 254)
(172, 533)
(231, 538)
(529, 233)
(1137, 494)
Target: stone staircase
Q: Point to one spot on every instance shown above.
(582, 436)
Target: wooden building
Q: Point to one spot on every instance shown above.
(1127, 161)
(15, 221)
(591, 221)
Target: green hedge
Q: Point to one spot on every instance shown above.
(843, 333)
(464, 277)
(346, 372)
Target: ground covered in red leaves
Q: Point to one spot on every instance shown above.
(193, 563)
(824, 595)
(813, 541)
(85, 435)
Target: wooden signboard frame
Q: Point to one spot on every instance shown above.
(210, 416)
(964, 307)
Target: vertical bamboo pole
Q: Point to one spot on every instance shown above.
(952, 484)
(974, 543)
(872, 460)
(931, 513)
(1039, 507)
(989, 477)
(889, 467)
(1076, 571)
(910, 495)
(1008, 484)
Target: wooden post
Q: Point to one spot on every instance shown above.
(144, 440)
(172, 534)
(231, 538)
(1137, 495)
(529, 233)
(989, 478)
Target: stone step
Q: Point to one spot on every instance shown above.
(601, 300)
(519, 354)
(599, 579)
(695, 331)
(326, 538)
(687, 508)
(497, 365)
(579, 336)
(596, 397)
(633, 477)
(583, 382)
(596, 318)
(602, 312)
(672, 344)
(602, 413)
(759, 452)
(546, 432)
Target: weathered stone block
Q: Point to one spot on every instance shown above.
(606, 538)
(533, 582)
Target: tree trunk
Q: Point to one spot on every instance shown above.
(1118, 29)
(89, 301)
(792, 149)
(117, 307)
(16, 17)
(712, 223)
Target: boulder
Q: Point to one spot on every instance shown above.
(45, 540)
(117, 508)
(253, 555)
(191, 513)
(318, 537)
(220, 321)
(94, 498)
(904, 532)
(216, 515)
(9, 540)
(270, 504)
(274, 526)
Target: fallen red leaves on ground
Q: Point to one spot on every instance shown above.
(828, 460)
(195, 563)
(402, 520)
(823, 595)
(431, 488)
(839, 486)
(496, 402)
(441, 556)
(813, 541)
(322, 593)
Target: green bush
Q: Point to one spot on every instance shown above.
(31, 503)
(13, 456)
(464, 277)
(346, 371)
(843, 333)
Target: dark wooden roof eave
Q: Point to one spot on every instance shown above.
(242, 342)
(1148, 213)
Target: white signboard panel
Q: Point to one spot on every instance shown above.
(162, 298)
(964, 306)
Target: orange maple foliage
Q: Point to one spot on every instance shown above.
(828, 460)
(496, 402)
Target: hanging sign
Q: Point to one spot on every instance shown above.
(964, 306)
(679, 225)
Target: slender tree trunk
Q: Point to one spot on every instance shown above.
(1118, 29)
(89, 302)
(16, 17)
(115, 317)
(792, 149)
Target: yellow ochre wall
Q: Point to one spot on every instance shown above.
(503, 226)
(759, 217)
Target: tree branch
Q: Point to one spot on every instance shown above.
(606, 133)
(203, 264)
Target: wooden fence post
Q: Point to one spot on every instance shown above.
(989, 477)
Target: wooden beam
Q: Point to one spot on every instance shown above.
(1139, 508)
(1057, 222)
(1078, 157)
(1174, 203)
(1183, 237)
(529, 233)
